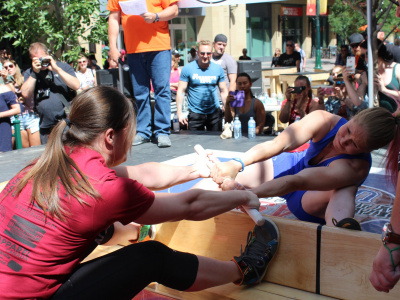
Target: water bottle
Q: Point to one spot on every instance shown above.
(175, 123)
(297, 118)
(237, 128)
(251, 128)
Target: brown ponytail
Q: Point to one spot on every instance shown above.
(92, 113)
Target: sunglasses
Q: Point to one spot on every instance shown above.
(81, 61)
(289, 45)
(355, 45)
(205, 53)
(8, 66)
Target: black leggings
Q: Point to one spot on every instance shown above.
(124, 273)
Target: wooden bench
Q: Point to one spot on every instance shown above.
(312, 262)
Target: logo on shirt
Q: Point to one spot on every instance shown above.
(24, 231)
(204, 79)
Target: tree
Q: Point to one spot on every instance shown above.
(59, 24)
(343, 20)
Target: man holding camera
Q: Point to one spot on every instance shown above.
(52, 85)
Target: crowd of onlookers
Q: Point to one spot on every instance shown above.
(206, 87)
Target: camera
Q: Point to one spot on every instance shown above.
(45, 62)
(297, 89)
(43, 94)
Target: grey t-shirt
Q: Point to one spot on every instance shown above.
(228, 64)
(51, 108)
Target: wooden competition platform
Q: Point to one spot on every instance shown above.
(312, 262)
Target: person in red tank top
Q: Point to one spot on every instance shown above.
(298, 105)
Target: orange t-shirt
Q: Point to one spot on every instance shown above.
(141, 36)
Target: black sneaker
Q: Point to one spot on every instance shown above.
(348, 223)
(261, 247)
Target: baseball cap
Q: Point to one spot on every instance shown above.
(356, 38)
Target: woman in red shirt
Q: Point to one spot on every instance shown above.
(53, 211)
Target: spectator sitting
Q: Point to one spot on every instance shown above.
(302, 55)
(244, 56)
(8, 108)
(29, 120)
(297, 105)
(339, 103)
(174, 77)
(50, 83)
(202, 78)
(275, 58)
(177, 56)
(290, 58)
(342, 56)
(252, 106)
(193, 55)
(86, 76)
(387, 80)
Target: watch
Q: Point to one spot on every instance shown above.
(388, 236)
(156, 19)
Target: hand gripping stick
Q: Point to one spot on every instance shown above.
(252, 212)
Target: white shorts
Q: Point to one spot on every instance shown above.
(28, 121)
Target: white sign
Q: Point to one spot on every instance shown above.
(206, 3)
(133, 7)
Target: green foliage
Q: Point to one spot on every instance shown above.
(343, 20)
(61, 25)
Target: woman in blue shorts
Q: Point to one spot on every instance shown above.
(319, 184)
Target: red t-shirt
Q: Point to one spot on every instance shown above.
(37, 255)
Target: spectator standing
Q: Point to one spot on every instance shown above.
(227, 63)
(174, 77)
(342, 56)
(193, 55)
(298, 105)
(50, 83)
(244, 56)
(148, 45)
(303, 57)
(29, 120)
(8, 108)
(391, 48)
(275, 58)
(290, 58)
(202, 78)
(253, 107)
(86, 76)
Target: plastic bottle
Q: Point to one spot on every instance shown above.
(251, 128)
(237, 128)
(297, 118)
(175, 123)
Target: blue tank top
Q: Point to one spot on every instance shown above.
(291, 163)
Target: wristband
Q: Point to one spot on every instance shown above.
(241, 161)
(156, 19)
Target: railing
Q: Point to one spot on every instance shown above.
(17, 132)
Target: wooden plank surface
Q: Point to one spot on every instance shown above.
(346, 262)
(221, 238)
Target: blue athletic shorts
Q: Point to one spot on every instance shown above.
(290, 164)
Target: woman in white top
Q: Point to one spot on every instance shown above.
(86, 76)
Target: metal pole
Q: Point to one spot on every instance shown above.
(17, 132)
(370, 57)
(318, 40)
(120, 70)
